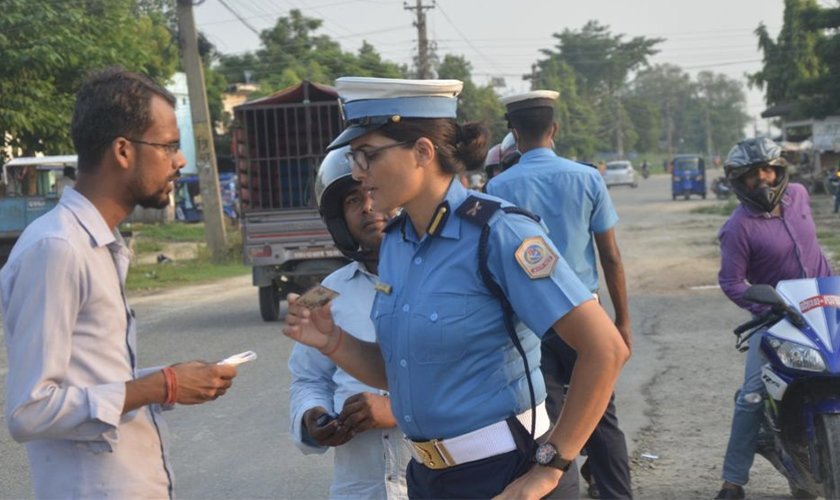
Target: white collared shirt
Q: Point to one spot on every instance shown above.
(373, 463)
(70, 338)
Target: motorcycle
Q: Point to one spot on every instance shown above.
(721, 188)
(800, 433)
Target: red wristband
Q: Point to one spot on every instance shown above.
(337, 344)
(171, 385)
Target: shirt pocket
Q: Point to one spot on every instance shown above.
(439, 332)
(386, 324)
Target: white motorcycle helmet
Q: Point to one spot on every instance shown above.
(332, 183)
(508, 152)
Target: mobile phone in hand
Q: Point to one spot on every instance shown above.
(324, 419)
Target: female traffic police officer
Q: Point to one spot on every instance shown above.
(463, 382)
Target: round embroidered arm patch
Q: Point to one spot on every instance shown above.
(536, 258)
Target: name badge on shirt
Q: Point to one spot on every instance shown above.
(536, 258)
(382, 287)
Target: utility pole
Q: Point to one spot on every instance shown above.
(709, 145)
(424, 64)
(532, 76)
(619, 128)
(205, 153)
(669, 131)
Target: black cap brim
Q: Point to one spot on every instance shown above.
(352, 133)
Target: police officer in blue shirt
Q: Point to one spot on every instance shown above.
(573, 202)
(463, 278)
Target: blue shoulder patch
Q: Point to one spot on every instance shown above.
(477, 210)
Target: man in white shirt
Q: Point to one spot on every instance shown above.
(370, 454)
(74, 394)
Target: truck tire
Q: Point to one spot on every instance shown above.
(828, 444)
(270, 303)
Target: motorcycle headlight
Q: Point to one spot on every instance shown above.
(798, 356)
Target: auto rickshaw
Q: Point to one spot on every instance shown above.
(688, 176)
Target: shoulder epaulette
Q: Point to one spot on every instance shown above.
(477, 210)
(521, 211)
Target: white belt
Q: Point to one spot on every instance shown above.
(488, 441)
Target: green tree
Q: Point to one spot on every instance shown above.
(576, 137)
(602, 63)
(718, 111)
(791, 61)
(474, 103)
(47, 48)
(702, 116)
(292, 51)
(822, 88)
(647, 123)
(670, 90)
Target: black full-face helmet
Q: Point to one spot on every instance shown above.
(753, 153)
(333, 182)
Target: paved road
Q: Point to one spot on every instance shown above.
(237, 447)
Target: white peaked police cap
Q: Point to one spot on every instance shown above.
(371, 103)
(532, 99)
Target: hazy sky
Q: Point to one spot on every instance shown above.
(503, 38)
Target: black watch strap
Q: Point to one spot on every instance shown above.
(559, 462)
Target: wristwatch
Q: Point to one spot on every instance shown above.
(547, 456)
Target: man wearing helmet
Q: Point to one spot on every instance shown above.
(329, 408)
(501, 156)
(770, 237)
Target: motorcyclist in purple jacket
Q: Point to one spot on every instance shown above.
(770, 237)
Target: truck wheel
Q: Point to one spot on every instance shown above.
(270, 303)
(687, 196)
(703, 195)
(828, 444)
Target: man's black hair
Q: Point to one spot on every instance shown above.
(531, 123)
(112, 103)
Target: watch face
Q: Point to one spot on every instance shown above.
(545, 453)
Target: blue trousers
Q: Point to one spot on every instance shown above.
(606, 447)
(746, 420)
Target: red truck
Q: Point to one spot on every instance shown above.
(279, 142)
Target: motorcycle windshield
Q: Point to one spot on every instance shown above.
(818, 300)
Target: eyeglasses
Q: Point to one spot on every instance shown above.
(170, 148)
(363, 157)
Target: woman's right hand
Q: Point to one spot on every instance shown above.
(314, 328)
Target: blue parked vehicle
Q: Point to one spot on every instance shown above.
(31, 187)
(188, 197)
(688, 176)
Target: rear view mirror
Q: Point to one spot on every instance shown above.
(764, 294)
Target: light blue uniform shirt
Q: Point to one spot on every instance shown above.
(570, 197)
(451, 366)
(373, 463)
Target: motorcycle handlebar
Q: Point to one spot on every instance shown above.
(764, 318)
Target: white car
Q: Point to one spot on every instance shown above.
(620, 173)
